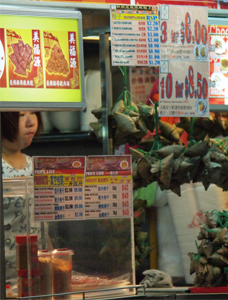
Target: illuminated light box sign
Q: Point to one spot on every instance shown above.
(41, 59)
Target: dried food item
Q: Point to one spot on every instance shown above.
(147, 113)
(223, 250)
(61, 272)
(208, 248)
(199, 149)
(221, 237)
(144, 167)
(218, 260)
(25, 286)
(45, 269)
(97, 112)
(169, 131)
(57, 62)
(184, 124)
(212, 219)
(135, 154)
(199, 133)
(177, 150)
(222, 120)
(146, 143)
(22, 243)
(162, 170)
(21, 57)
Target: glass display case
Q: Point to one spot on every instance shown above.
(100, 251)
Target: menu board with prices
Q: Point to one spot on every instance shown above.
(134, 35)
(43, 54)
(108, 187)
(184, 68)
(142, 80)
(218, 82)
(59, 188)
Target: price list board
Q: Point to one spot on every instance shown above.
(59, 188)
(184, 67)
(108, 187)
(134, 35)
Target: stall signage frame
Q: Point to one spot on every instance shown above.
(184, 69)
(134, 35)
(31, 80)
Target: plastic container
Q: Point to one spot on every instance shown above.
(28, 287)
(22, 242)
(61, 272)
(45, 268)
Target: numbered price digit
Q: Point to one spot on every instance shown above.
(125, 203)
(125, 212)
(202, 85)
(188, 28)
(124, 187)
(125, 196)
(167, 85)
(197, 31)
(163, 37)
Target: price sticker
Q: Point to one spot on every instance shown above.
(184, 89)
(184, 35)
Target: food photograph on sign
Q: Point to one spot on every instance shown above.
(24, 58)
(218, 65)
(61, 60)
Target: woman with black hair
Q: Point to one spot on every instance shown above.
(18, 130)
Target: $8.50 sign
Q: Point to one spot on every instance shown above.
(183, 89)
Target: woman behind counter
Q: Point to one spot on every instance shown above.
(18, 130)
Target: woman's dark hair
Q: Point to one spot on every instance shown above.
(10, 125)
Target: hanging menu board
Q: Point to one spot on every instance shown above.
(134, 35)
(184, 68)
(108, 187)
(63, 191)
(41, 59)
(58, 188)
(218, 35)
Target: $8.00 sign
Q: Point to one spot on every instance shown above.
(183, 89)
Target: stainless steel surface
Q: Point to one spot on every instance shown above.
(2, 247)
(131, 294)
(106, 95)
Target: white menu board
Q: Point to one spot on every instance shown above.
(134, 35)
(108, 187)
(184, 68)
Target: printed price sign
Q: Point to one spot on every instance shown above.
(108, 187)
(59, 188)
(184, 67)
(184, 89)
(184, 36)
(135, 35)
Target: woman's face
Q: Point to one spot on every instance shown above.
(28, 124)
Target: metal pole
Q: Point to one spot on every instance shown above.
(106, 94)
(2, 247)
